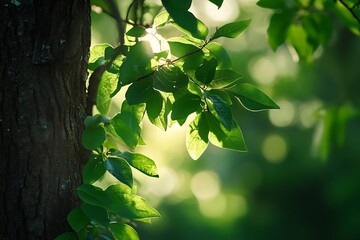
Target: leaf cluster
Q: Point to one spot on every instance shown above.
(305, 25)
(189, 78)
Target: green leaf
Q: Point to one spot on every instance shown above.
(141, 163)
(197, 136)
(190, 55)
(161, 19)
(222, 109)
(93, 170)
(272, 4)
(206, 71)
(100, 61)
(91, 195)
(139, 91)
(158, 109)
(231, 30)
(351, 22)
(252, 98)
(119, 199)
(223, 95)
(298, 38)
(93, 137)
(184, 20)
(122, 231)
(185, 105)
(136, 65)
(136, 31)
(224, 78)
(218, 3)
(82, 234)
(123, 202)
(120, 169)
(278, 28)
(170, 79)
(97, 51)
(77, 219)
(97, 215)
(223, 138)
(126, 123)
(94, 121)
(106, 87)
(318, 28)
(67, 236)
(195, 89)
(223, 58)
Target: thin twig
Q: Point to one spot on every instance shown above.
(350, 10)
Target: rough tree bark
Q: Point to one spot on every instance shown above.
(44, 47)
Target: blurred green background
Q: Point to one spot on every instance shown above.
(301, 176)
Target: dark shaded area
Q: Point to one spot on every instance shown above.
(44, 48)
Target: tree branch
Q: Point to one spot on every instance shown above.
(350, 9)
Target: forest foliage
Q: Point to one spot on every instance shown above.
(186, 80)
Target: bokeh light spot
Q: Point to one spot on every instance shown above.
(214, 16)
(307, 112)
(274, 148)
(213, 207)
(166, 183)
(205, 185)
(263, 70)
(284, 116)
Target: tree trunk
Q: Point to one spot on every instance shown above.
(44, 46)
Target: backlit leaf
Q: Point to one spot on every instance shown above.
(223, 58)
(158, 109)
(170, 79)
(278, 28)
(136, 64)
(122, 231)
(185, 105)
(139, 91)
(224, 78)
(222, 110)
(298, 38)
(123, 202)
(223, 138)
(190, 55)
(252, 98)
(141, 163)
(106, 87)
(231, 30)
(126, 123)
(206, 71)
(137, 31)
(161, 19)
(97, 51)
(223, 95)
(197, 136)
(185, 20)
